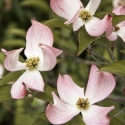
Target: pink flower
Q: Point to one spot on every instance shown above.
(41, 56)
(74, 12)
(73, 100)
(118, 30)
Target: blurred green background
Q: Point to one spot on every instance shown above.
(15, 18)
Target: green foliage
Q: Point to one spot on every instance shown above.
(117, 19)
(10, 77)
(5, 96)
(117, 68)
(77, 120)
(84, 40)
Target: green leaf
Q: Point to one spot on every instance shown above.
(117, 68)
(54, 23)
(122, 51)
(102, 14)
(16, 31)
(117, 19)
(115, 121)
(37, 4)
(46, 95)
(77, 120)
(12, 76)
(5, 93)
(13, 42)
(84, 40)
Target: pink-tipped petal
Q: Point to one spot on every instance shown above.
(48, 58)
(29, 79)
(97, 115)
(37, 33)
(112, 37)
(11, 62)
(96, 27)
(74, 17)
(18, 90)
(33, 80)
(92, 6)
(100, 85)
(109, 29)
(121, 24)
(121, 33)
(60, 112)
(65, 8)
(68, 91)
(56, 51)
(120, 10)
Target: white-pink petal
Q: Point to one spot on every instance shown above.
(37, 33)
(18, 90)
(112, 37)
(11, 62)
(68, 91)
(97, 115)
(119, 10)
(100, 85)
(48, 60)
(29, 79)
(60, 112)
(65, 8)
(96, 27)
(121, 33)
(92, 6)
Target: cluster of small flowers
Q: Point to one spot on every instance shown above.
(41, 56)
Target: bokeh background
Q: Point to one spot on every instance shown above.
(15, 16)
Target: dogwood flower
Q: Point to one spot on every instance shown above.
(41, 56)
(74, 12)
(73, 100)
(119, 29)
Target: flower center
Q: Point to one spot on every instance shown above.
(82, 103)
(116, 28)
(84, 15)
(32, 63)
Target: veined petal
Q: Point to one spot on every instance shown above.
(77, 24)
(120, 10)
(74, 17)
(55, 50)
(60, 112)
(121, 24)
(109, 28)
(121, 33)
(48, 60)
(92, 6)
(11, 62)
(33, 80)
(37, 33)
(29, 79)
(97, 115)
(112, 37)
(96, 27)
(65, 8)
(18, 91)
(100, 85)
(68, 91)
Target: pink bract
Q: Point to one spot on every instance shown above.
(70, 10)
(65, 107)
(41, 55)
